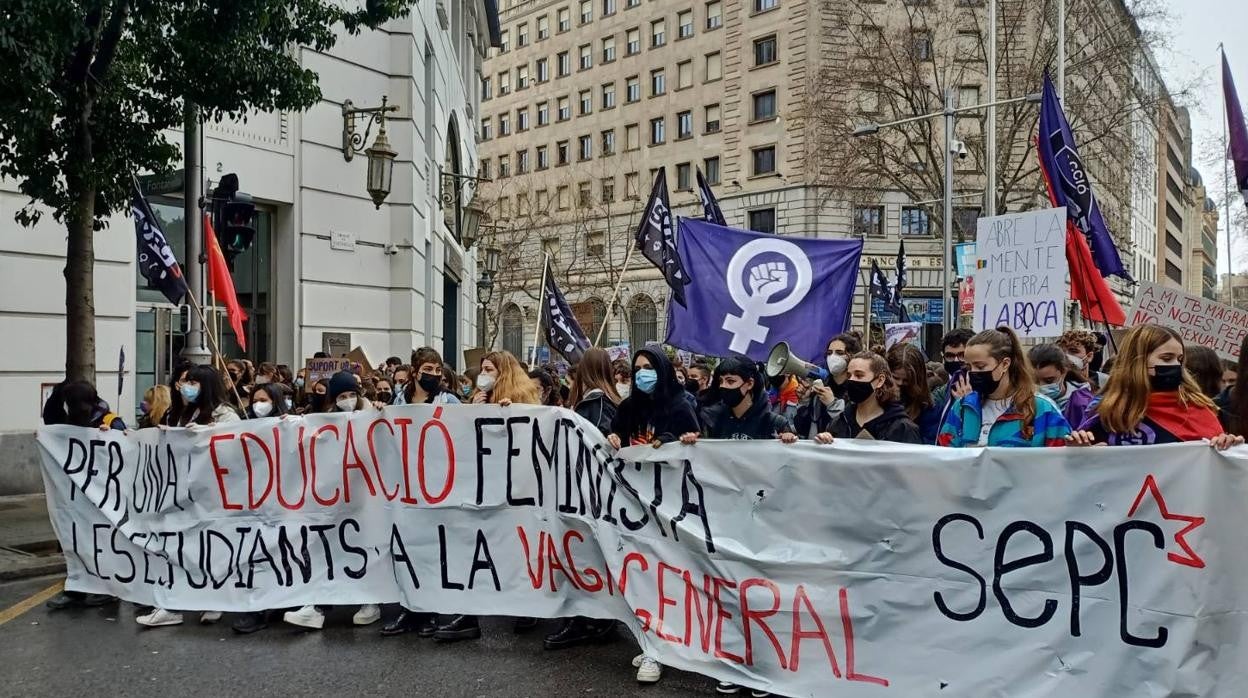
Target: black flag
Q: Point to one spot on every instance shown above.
(656, 238)
(711, 212)
(901, 268)
(563, 333)
(879, 285)
(156, 260)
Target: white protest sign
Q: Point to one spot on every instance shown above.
(857, 569)
(1020, 281)
(1198, 320)
(903, 333)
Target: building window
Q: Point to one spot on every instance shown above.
(543, 69)
(764, 5)
(1173, 272)
(504, 125)
(564, 61)
(587, 11)
(565, 109)
(967, 46)
(561, 198)
(591, 315)
(765, 51)
(587, 57)
(504, 43)
(543, 157)
(543, 113)
(543, 27)
(968, 96)
(608, 7)
(522, 162)
(585, 194)
(632, 137)
(608, 142)
(565, 19)
(485, 167)
(513, 329)
(710, 168)
(711, 118)
(714, 67)
(643, 321)
(522, 77)
(632, 184)
(921, 45)
(504, 166)
(522, 119)
(485, 129)
(632, 3)
(764, 106)
(763, 160)
(684, 22)
(608, 190)
(608, 95)
(504, 84)
(633, 87)
(869, 221)
(634, 41)
(684, 124)
(522, 35)
(561, 153)
(587, 102)
(658, 33)
(486, 89)
(586, 147)
(658, 131)
(684, 180)
(608, 49)
(915, 221)
(658, 82)
(684, 75)
(763, 220)
(966, 222)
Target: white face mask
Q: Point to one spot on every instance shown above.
(262, 409)
(485, 382)
(623, 389)
(1075, 361)
(836, 364)
(346, 404)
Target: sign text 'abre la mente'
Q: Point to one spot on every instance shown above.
(1020, 279)
(856, 569)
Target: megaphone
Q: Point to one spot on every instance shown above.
(783, 361)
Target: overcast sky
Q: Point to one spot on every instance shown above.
(1196, 28)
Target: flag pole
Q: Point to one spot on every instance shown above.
(212, 340)
(1226, 175)
(541, 298)
(615, 295)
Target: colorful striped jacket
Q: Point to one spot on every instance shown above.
(963, 422)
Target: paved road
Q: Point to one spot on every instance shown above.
(103, 652)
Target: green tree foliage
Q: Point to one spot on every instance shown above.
(89, 88)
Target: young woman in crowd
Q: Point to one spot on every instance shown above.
(346, 396)
(623, 377)
(1081, 346)
(1151, 399)
(824, 403)
(875, 409)
(383, 392)
(594, 398)
(155, 404)
(909, 369)
(200, 403)
(1058, 380)
(1205, 368)
(546, 386)
(996, 403)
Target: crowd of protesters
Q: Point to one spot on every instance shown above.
(984, 389)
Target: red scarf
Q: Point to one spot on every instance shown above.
(1187, 422)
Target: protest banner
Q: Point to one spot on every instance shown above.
(323, 369)
(856, 569)
(966, 296)
(1198, 320)
(620, 352)
(1020, 279)
(903, 333)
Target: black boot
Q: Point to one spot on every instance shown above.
(459, 628)
(406, 622)
(247, 623)
(580, 631)
(98, 600)
(524, 624)
(430, 627)
(66, 599)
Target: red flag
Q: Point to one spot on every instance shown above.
(221, 284)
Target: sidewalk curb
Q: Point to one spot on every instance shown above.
(38, 567)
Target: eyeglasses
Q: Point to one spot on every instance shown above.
(949, 356)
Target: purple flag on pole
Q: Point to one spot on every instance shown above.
(754, 290)
(1238, 151)
(1069, 183)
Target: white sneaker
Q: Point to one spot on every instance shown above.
(306, 617)
(727, 688)
(637, 660)
(755, 693)
(367, 615)
(648, 670)
(159, 617)
(208, 617)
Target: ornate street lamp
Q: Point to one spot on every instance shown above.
(468, 216)
(380, 155)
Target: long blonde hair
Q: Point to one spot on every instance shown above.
(512, 382)
(1125, 401)
(158, 403)
(592, 372)
(1003, 344)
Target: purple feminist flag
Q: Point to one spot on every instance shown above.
(752, 290)
(1238, 151)
(1069, 185)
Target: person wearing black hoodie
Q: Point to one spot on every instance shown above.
(656, 410)
(742, 412)
(875, 410)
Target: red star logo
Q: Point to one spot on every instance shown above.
(1189, 556)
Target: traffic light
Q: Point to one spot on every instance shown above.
(232, 215)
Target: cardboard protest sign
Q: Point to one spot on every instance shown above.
(323, 369)
(1020, 279)
(857, 569)
(360, 359)
(903, 333)
(472, 357)
(1198, 320)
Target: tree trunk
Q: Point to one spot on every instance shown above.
(80, 288)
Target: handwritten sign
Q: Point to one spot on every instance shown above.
(1199, 321)
(1021, 276)
(323, 369)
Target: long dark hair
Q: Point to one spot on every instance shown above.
(1003, 344)
(550, 393)
(275, 394)
(593, 371)
(915, 395)
(666, 391)
(73, 402)
(1206, 368)
(211, 396)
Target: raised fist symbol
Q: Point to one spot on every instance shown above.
(768, 279)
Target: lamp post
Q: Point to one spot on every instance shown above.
(952, 148)
(380, 155)
(485, 288)
(467, 216)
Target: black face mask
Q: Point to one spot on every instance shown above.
(1166, 378)
(952, 367)
(858, 391)
(692, 386)
(431, 383)
(731, 397)
(318, 402)
(386, 397)
(984, 383)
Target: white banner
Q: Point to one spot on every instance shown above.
(1199, 320)
(857, 569)
(1021, 276)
